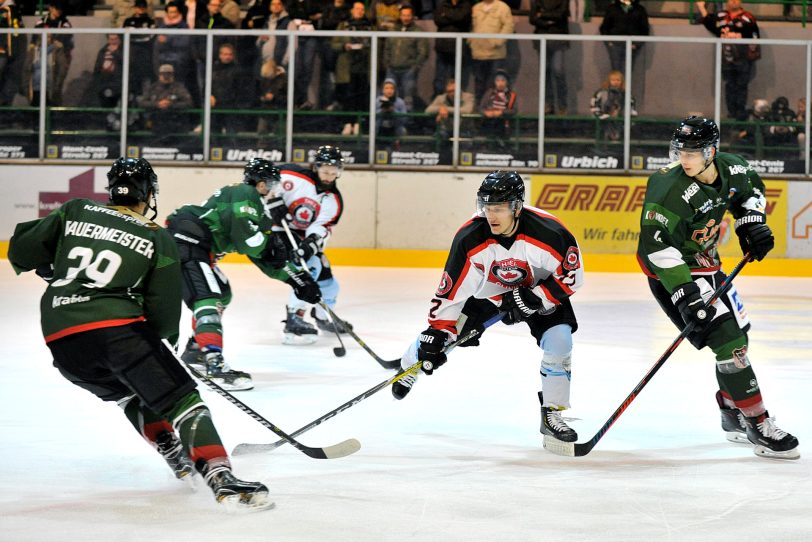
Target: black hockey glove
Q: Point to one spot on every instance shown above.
(277, 211)
(276, 253)
(691, 306)
(46, 272)
(755, 235)
(430, 349)
(308, 246)
(305, 287)
(519, 305)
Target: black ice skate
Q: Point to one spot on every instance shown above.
(732, 422)
(221, 374)
(235, 494)
(341, 326)
(192, 356)
(297, 331)
(771, 441)
(170, 447)
(552, 425)
(402, 387)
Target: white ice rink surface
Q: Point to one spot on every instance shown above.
(460, 459)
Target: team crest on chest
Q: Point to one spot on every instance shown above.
(509, 273)
(304, 211)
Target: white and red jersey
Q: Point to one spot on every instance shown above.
(314, 210)
(542, 255)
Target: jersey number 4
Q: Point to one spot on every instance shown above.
(99, 268)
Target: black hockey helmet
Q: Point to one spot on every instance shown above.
(131, 181)
(695, 133)
(501, 187)
(328, 155)
(259, 169)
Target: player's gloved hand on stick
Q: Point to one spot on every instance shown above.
(755, 235)
(430, 349)
(308, 247)
(276, 252)
(519, 305)
(304, 287)
(691, 305)
(277, 210)
(45, 272)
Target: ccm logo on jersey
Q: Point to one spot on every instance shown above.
(572, 260)
(509, 273)
(445, 285)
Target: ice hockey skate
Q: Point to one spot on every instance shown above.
(553, 425)
(402, 387)
(732, 422)
(326, 325)
(237, 495)
(170, 447)
(769, 440)
(191, 355)
(297, 331)
(210, 364)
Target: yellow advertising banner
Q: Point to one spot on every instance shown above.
(604, 212)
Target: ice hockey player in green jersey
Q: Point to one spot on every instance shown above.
(680, 229)
(234, 219)
(113, 294)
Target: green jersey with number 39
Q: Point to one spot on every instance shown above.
(111, 267)
(682, 218)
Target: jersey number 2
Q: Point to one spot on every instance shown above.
(100, 269)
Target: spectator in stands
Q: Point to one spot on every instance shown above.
(757, 118)
(334, 13)
(443, 108)
(785, 131)
(226, 89)
(57, 63)
(384, 14)
(211, 19)
(489, 17)
(273, 92)
(498, 106)
(255, 18)
(12, 52)
(304, 15)
(549, 17)
(451, 16)
(390, 119)
(403, 57)
(141, 74)
(608, 102)
(176, 49)
(55, 18)
(164, 99)
(271, 45)
(352, 63)
(624, 18)
(107, 72)
(737, 60)
(230, 10)
(800, 116)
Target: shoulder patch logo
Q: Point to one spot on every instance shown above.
(737, 169)
(572, 260)
(445, 285)
(692, 189)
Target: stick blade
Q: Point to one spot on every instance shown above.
(247, 448)
(342, 449)
(559, 447)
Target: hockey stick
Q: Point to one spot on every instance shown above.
(342, 449)
(386, 364)
(248, 448)
(339, 351)
(574, 449)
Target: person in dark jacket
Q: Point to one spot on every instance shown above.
(549, 17)
(624, 18)
(451, 16)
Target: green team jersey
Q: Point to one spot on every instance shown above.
(111, 267)
(681, 220)
(235, 216)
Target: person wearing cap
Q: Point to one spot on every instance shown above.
(164, 98)
(498, 106)
(124, 9)
(390, 112)
(55, 18)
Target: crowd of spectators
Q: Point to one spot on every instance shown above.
(332, 73)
